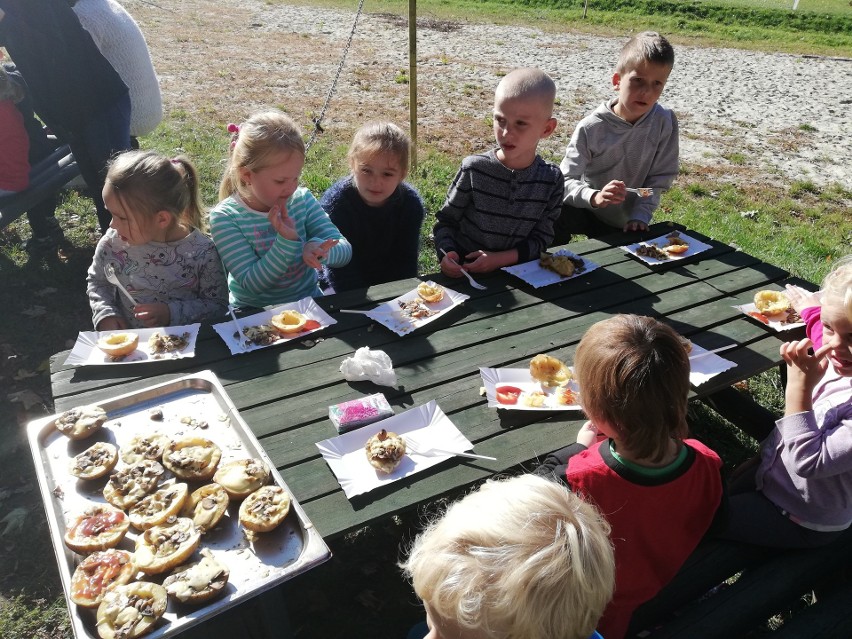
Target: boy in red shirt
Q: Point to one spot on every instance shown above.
(659, 491)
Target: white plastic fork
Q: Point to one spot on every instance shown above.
(415, 447)
(112, 278)
(470, 279)
(240, 339)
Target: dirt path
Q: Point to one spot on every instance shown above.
(783, 115)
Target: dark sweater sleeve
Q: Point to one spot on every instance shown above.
(448, 218)
(347, 277)
(407, 244)
(555, 464)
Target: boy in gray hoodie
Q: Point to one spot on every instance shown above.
(629, 141)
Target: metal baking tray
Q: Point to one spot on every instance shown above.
(195, 405)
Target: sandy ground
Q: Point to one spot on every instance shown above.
(788, 117)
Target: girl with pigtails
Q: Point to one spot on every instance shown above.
(156, 247)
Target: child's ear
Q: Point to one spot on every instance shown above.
(549, 128)
(616, 80)
(163, 219)
(245, 175)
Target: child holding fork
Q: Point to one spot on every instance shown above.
(155, 248)
(629, 141)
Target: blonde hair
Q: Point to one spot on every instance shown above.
(255, 145)
(648, 46)
(379, 137)
(9, 90)
(519, 557)
(527, 84)
(147, 182)
(838, 284)
(634, 372)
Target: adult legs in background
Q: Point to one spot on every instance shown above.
(104, 136)
(47, 233)
(575, 221)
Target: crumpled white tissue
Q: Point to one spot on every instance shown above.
(365, 364)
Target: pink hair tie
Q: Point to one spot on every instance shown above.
(234, 130)
(175, 161)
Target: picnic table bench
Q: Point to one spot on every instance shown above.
(46, 177)
(283, 393)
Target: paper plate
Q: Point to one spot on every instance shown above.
(391, 315)
(346, 457)
(537, 276)
(695, 247)
(704, 367)
(494, 378)
(306, 306)
(87, 353)
(777, 322)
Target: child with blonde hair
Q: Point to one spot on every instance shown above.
(518, 557)
(659, 491)
(156, 248)
(502, 204)
(272, 234)
(798, 493)
(376, 210)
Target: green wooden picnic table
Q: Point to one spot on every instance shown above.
(283, 392)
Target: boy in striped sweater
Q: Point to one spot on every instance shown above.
(502, 204)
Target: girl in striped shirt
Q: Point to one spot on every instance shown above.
(272, 234)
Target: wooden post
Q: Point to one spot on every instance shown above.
(412, 79)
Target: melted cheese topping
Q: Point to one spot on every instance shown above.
(129, 485)
(242, 476)
(94, 461)
(144, 447)
(195, 578)
(157, 507)
(207, 505)
(191, 456)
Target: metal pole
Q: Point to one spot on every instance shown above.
(412, 74)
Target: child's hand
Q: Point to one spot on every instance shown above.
(113, 323)
(450, 264)
(153, 314)
(635, 225)
(804, 370)
(282, 223)
(612, 193)
(482, 262)
(588, 434)
(315, 252)
(802, 299)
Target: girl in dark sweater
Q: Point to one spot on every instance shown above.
(375, 210)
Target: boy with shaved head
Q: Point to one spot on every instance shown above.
(502, 204)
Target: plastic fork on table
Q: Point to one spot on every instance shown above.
(470, 279)
(424, 449)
